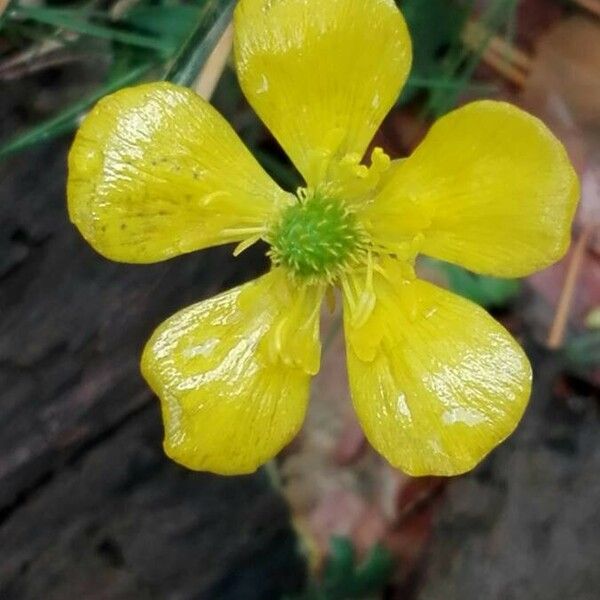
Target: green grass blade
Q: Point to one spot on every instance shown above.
(74, 20)
(67, 120)
(213, 20)
(449, 84)
(464, 63)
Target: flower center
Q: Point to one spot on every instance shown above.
(316, 237)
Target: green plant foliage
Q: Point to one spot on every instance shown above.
(435, 27)
(343, 579)
(215, 17)
(168, 35)
(489, 292)
(171, 23)
(583, 351)
(460, 63)
(90, 24)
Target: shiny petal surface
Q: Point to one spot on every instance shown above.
(233, 374)
(490, 188)
(435, 381)
(155, 171)
(321, 75)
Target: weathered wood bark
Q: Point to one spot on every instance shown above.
(525, 525)
(89, 506)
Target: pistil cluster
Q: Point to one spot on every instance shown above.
(317, 238)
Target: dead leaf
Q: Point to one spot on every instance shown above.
(563, 90)
(335, 482)
(565, 76)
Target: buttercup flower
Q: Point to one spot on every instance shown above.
(436, 383)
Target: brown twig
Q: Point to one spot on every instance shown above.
(50, 53)
(557, 331)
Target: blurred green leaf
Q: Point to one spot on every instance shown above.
(78, 21)
(171, 23)
(370, 576)
(344, 580)
(460, 63)
(441, 84)
(338, 577)
(434, 26)
(489, 292)
(583, 351)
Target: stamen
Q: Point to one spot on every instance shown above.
(244, 245)
(348, 294)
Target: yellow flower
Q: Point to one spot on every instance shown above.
(437, 383)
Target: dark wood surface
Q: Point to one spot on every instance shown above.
(89, 506)
(525, 524)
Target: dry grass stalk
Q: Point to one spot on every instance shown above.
(557, 331)
(507, 60)
(209, 76)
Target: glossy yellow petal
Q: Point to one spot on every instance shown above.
(321, 75)
(233, 373)
(435, 381)
(490, 188)
(155, 171)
